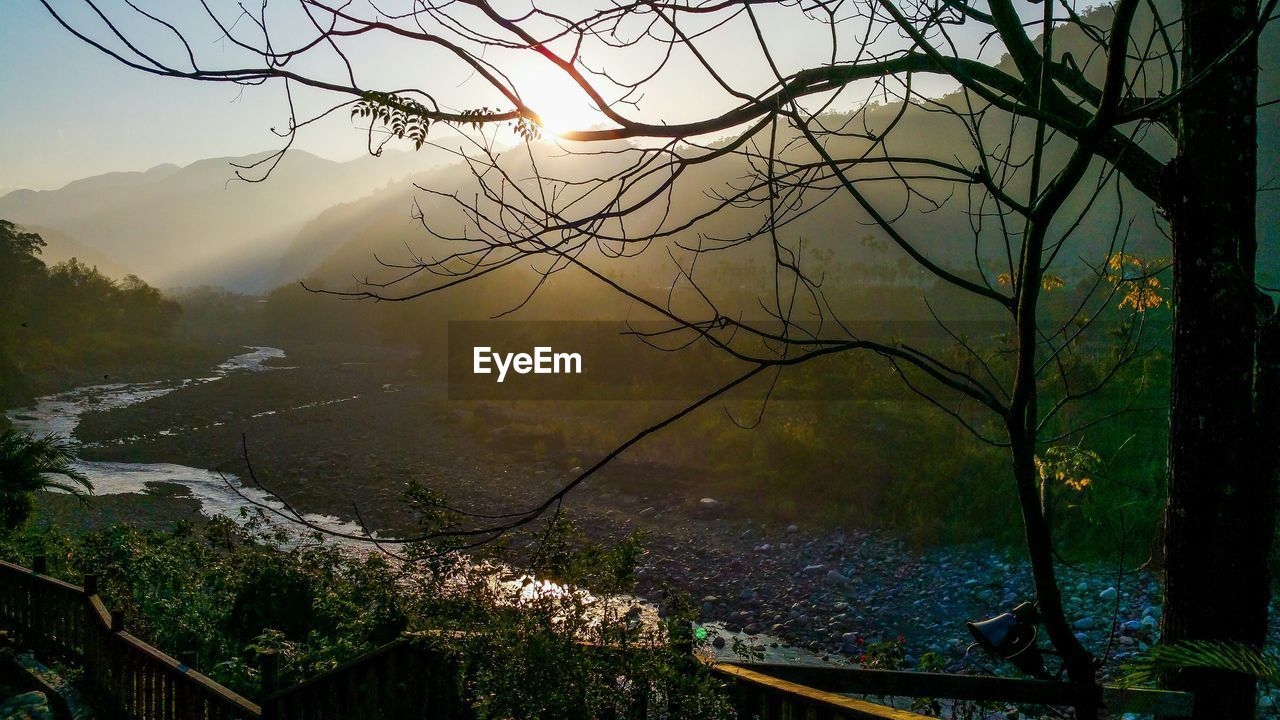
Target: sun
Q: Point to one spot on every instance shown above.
(561, 105)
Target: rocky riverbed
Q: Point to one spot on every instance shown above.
(345, 426)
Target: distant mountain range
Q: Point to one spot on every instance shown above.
(199, 224)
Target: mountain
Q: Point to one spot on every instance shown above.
(60, 247)
(354, 239)
(199, 224)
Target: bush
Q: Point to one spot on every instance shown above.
(219, 594)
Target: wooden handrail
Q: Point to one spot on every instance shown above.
(764, 692)
(403, 680)
(977, 687)
(131, 678)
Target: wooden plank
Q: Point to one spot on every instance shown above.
(917, 684)
(100, 611)
(796, 696)
(978, 688)
(344, 667)
(210, 688)
(10, 568)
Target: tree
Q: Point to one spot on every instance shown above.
(29, 465)
(1040, 152)
(1224, 437)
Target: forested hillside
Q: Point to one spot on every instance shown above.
(68, 322)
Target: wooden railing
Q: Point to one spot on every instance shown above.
(403, 680)
(124, 677)
(757, 695)
(400, 680)
(409, 680)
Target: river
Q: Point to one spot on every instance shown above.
(222, 493)
(59, 414)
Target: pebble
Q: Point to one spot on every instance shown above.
(835, 578)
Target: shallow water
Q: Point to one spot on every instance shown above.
(221, 494)
(217, 493)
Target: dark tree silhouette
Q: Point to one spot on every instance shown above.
(1149, 105)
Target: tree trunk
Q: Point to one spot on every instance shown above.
(1220, 516)
(1078, 661)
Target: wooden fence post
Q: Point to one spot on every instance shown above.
(91, 584)
(117, 621)
(269, 664)
(40, 564)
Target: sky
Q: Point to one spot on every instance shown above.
(67, 111)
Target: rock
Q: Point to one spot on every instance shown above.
(747, 594)
(647, 511)
(835, 578)
(27, 706)
(1108, 594)
(793, 529)
(1084, 623)
(708, 502)
(814, 568)
(718, 642)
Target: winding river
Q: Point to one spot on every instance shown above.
(60, 414)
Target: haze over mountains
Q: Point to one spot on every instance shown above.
(199, 224)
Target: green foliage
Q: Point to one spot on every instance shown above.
(219, 595)
(29, 464)
(885, 654)
(406, 118)
(60, 323)
(577, 646)
(1204, 654)
(403, 117)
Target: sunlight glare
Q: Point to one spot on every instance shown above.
(562, 106)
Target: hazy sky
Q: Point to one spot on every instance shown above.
(68, 111)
